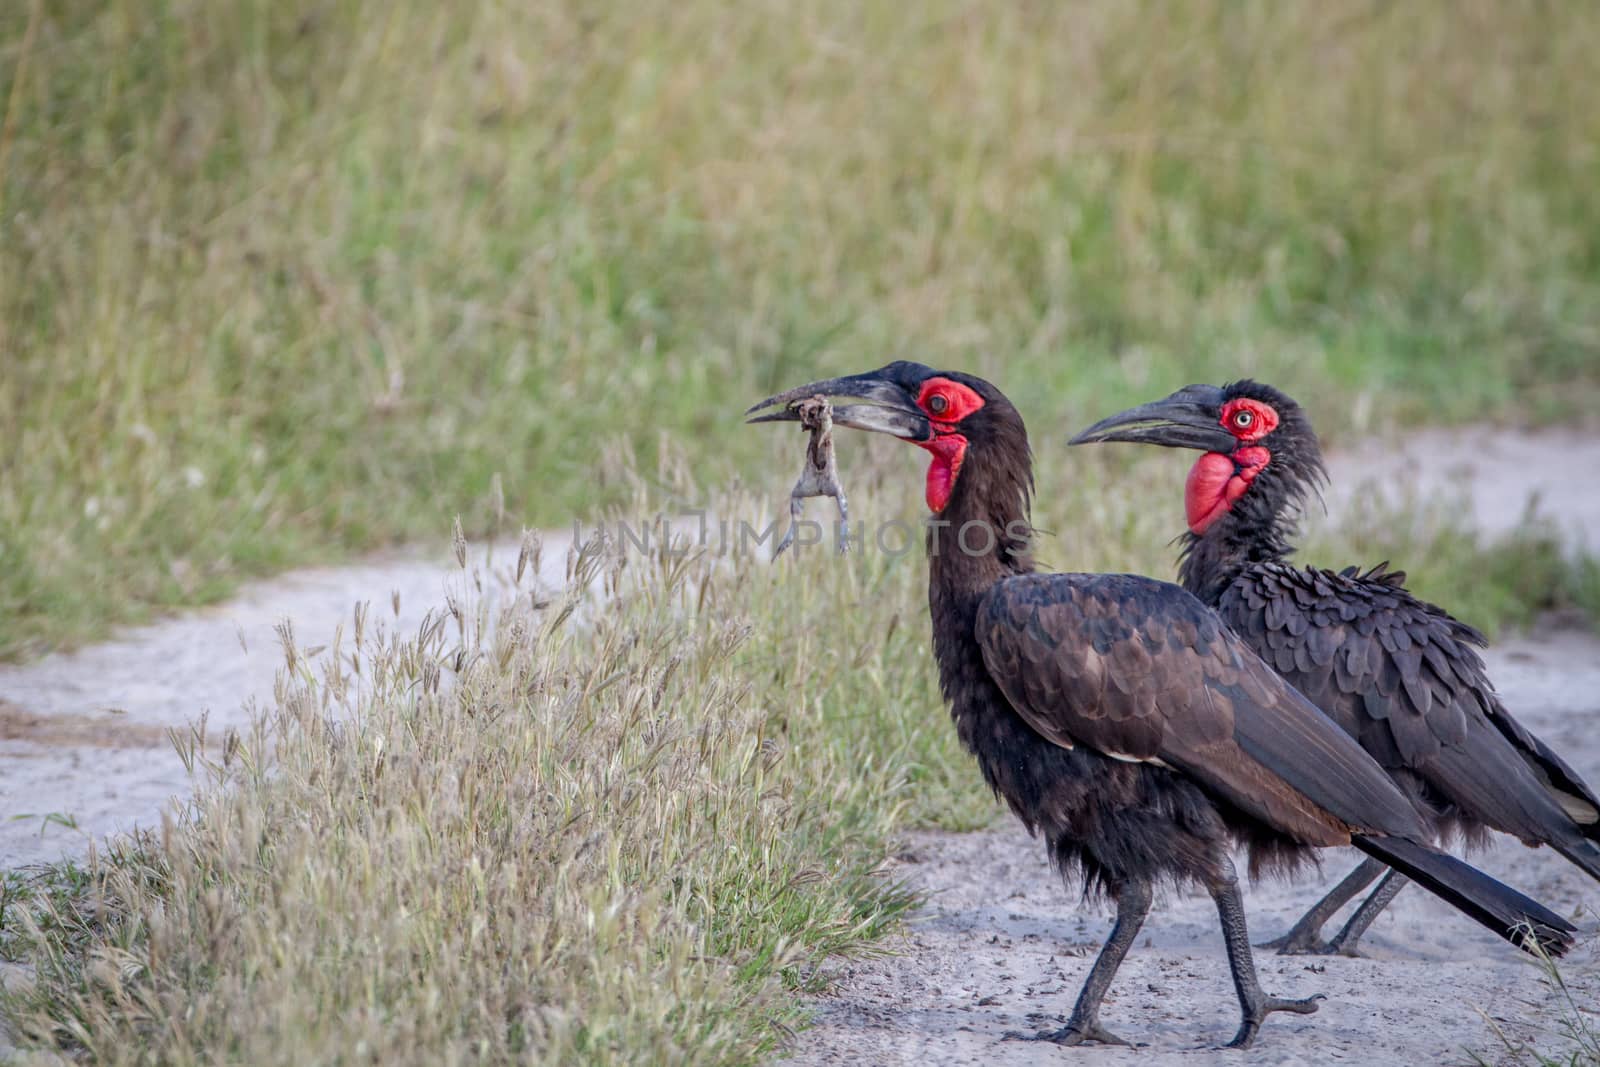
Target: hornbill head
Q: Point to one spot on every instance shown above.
(1257, 444)
(955, 417)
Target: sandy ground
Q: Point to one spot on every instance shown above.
(86, 736)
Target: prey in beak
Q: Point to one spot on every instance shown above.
(1189, 418)
(820, 476)
(892, 413)
(893, 409)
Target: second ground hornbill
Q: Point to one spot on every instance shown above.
(1400, 675)
(1118, 717)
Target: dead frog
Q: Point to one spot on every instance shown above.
(821, 474)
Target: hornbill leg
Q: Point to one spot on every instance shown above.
(1344, 943)
(1133, 904)
(1305, 937)
(1254, 1005)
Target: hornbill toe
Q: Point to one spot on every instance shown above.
(1091, 1033)
(1252, 1022)
(1298, 943)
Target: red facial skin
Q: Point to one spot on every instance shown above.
(1248, 420)
(1217, 481)
(945, 403)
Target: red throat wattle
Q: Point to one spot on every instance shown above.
(948, 450)
(1216, 481)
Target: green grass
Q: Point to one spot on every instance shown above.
(1507, 583)
(284, 281)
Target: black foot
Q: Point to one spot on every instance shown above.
(1341, 947)
(1074, 1035)
(1252, 1023)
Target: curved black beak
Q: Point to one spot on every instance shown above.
(893, 410)
(1186, 419)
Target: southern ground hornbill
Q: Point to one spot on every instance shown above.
(1400, 675)
(1119, 717)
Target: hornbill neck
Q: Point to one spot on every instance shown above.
(981, 538)
(1255, 530)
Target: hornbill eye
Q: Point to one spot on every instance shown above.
(1243, 418)
(938, 403)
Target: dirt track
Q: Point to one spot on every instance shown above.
(87, 734)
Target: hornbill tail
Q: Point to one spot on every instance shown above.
(1498, 907)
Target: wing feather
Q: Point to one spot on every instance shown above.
(1139, 669)
(1406, 678)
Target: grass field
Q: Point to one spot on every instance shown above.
(284, 281)
(281, 282)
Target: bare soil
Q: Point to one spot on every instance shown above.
(1497, 478)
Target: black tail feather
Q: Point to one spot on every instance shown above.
(1499, 907)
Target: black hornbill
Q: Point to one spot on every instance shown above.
(1119, 717)
(1400, 675)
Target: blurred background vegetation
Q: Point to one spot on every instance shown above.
(285, 280)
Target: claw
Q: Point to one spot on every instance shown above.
(1252, 1023)
(1073, 1035)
